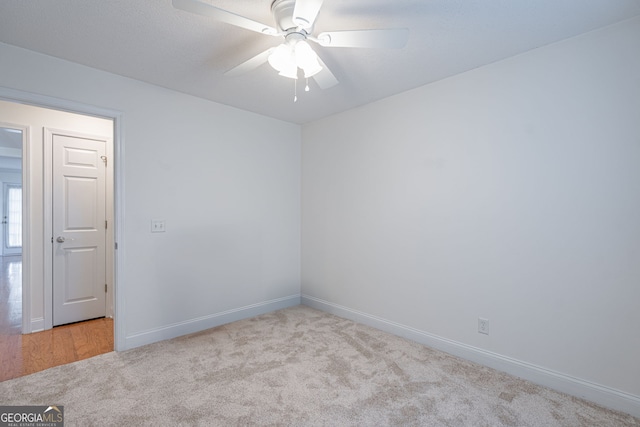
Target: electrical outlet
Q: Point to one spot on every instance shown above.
(483, 326)
(157, 226)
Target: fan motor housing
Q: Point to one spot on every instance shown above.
(282, 11)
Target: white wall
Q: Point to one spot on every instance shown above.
(226, 182)
(510, 192)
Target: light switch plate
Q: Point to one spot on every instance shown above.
(483, 326)
(158, 226)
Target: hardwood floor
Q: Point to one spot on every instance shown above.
(25, 354)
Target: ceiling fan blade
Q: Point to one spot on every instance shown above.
(394, 38)
(205, 9)
(250, 64)
(305, 12)
(325, 78)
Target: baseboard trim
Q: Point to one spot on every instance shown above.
(211, 321)
(37, 324)
(601, 395)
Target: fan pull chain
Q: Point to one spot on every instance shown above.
(306, 88)
(295, 90)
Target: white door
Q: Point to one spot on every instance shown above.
(79, 228)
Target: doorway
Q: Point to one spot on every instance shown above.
(41, 131)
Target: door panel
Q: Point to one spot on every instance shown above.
(79, 234)
(80, 265)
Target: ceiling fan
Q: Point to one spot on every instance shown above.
(294, 21)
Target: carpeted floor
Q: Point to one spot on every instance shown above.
(296, 367)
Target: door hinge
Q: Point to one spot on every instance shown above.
(105, 224)
(104, 159)
(105, 288)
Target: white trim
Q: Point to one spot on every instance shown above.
(110, 235)
(211, 321)
(44, 101)
(28, 324)
(602, 395)
(118, 233)
(36, 325)
(47, 207)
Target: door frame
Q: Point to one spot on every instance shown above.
(116, 177)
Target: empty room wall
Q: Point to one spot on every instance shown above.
(510, 192)
(227, 183)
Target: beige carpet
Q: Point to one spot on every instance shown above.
(297, 367)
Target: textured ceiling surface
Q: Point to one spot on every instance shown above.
(151, 41)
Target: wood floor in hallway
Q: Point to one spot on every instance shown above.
(25, 354)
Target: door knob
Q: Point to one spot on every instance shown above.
(60, 239)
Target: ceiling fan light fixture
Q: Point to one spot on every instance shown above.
(288, 57)
(306, 59)
(312, 70)
(281, 57)
(290, 72)
(295, 21)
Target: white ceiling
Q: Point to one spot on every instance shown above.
(151, 41)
